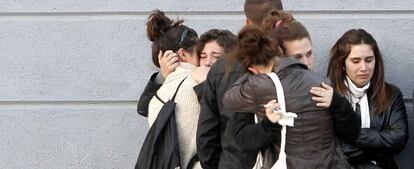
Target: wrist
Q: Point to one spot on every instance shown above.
(160, 78)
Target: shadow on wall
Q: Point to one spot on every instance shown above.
(405, 160)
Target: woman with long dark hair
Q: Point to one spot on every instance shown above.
(356, 70)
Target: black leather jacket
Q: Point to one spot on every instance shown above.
(212, 152)
(386, 137)
(150, 90)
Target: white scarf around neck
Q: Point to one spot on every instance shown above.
(359, 95)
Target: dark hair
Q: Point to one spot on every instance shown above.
(288, 30)
(277, 19)
(268, 27)
(224, 38)
(255, 47)
(167, 34)
(258, 10)
(341, 50)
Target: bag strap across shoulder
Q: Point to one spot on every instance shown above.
(175, 93)
(192, 162)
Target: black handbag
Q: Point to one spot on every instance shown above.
(160, 149)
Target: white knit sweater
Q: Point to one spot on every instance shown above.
(187, 109)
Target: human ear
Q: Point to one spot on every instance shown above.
(248, 22)
(181, 53)
(253, 70)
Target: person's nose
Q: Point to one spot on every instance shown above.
(209, 61)
(363, 67)
(306, 62)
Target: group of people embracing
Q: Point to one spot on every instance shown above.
(229, 112)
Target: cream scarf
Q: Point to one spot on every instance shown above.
(359, 95)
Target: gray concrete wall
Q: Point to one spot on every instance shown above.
(72, 71)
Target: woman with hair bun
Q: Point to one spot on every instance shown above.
(171, 42)
(311, 142)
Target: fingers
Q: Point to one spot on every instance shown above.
(272, 106)
(322, 105)
(173, 66)
(171, 60)
(160, 54)
(319, 99)
(322, 95)
(271, 103)
(317, 91)
(200, 74)
(168, 62)
(326, 86)
(169, 54)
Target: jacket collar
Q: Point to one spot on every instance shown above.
(285, 62)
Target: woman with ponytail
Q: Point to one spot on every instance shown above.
(173, 47)
(171, 42)
(307, 141)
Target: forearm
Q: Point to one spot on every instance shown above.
(347, 123)
(247, 132)
(198, 89)
(393, 136)
(149, 92)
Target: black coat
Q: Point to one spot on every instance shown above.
(149, 92)
(212, 152)
(386, 137)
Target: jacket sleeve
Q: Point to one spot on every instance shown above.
(251, 136)
(208, 137)
(354, 154)
(249, 94)
(239, 97)
(393, 138)
(198, 89)
(347, 124)
(150, 90)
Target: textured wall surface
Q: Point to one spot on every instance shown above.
(72, 71)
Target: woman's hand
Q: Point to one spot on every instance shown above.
(273, 116)
(168, 62)
(200, 74)
(322, 95)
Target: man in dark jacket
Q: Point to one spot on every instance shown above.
(212, 152)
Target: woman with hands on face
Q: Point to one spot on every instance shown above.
(173, 50)
(171, 42)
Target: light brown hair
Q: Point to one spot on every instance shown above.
(255, 47)
(287, 30)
